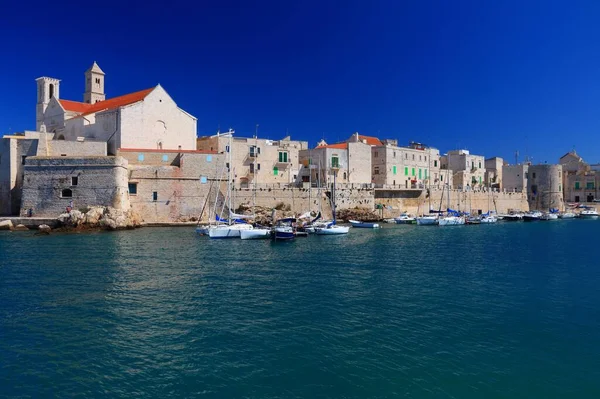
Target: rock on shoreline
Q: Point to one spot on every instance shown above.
(100, 217)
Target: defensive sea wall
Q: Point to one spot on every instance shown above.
(388, 202)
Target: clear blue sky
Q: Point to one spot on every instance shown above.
(490, 76)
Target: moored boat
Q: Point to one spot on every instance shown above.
(332, 229)
(427, 220)
(284, 229)
(405, 219)
(590, 213)
(532, 216)
(567, 215)
(364, 225)
(255, 234)
(451, 220)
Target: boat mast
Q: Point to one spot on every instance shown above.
(255, 176)
(230, 181)
(309, 181)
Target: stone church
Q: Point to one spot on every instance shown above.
(146, 119)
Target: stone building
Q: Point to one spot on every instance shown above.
(580, 180)
(468, 170)
(412, 167)
(493, 172)
(16, 149)
(143, 119)
(515, 177)
(51, 184)
(257, 160)
(349, 162)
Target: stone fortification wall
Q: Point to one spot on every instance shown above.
(98, 181)
(173, 186)
(418, 202)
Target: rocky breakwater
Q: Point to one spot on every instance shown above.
(99, 217)
(361, 214)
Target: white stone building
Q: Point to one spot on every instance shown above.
(468, 170)
(147, 119)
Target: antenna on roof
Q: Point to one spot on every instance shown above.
(516, 157)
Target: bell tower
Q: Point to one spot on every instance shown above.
(94, 85)
(46, 89)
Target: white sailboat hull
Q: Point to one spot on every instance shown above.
(451, 221)
(332, 230)
(232, 231)
(489, 219)
(255, 234)
(427, 221)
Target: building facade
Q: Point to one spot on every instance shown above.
(468, 170)
(257, 160)
(412, 167)
(515, 177)
(544, 187)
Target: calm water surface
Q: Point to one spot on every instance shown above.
(504, 311)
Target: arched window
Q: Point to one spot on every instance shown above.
(51, 90)
(66, 193)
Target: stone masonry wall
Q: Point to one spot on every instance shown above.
(100, 181)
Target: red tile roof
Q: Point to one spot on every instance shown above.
(74, 106)
(339, 146)
(370, 140)
(111, 103)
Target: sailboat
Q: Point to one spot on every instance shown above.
(488, 217)
(255, 233)
(234, 223)
(428, 220)
(452, 217)
(204, 229)
(332, 228)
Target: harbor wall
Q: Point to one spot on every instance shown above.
(392, 201)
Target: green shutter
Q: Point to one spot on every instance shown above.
(281, 157)
(413, 172)
(420, 177)
(275, 170)
(405, 171)
(285, 154)
(426, 173)
(479, 179)
(393, 169)
(576, 185)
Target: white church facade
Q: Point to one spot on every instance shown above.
(146, 119)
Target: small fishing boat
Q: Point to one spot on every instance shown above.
(513, 217)
(532, 216)
(486, 219)
(567, 215)
(392, 221)
(364, 225)
(549, 216)
(589, 213)
(284, 229)
(405, 219)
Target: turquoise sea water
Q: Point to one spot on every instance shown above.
(503, 311)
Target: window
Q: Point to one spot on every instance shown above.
(394, 154)
(257, 166)
(480, 166)
(413, 157)
(420, 157)
(51, 90)
(589, 185)
(254, 151)
(376, 170)
(441, 177)
(140, 157)
(435, 164)
(413, 171)
(132, 187)
(479, 179)
(559, 174)
(533, 175)
(97, 81)
(154, 196)
(251, 168)
(66, 193)
(394, 169)
(165, 158)
(275, 170)
(335, 162)
(472, 165)
(376, 154)
(74, 180)
(420, 177)
(23, 159)
(406, 171)
(344, 175)
(209, 158)
(425, 158)
(576, 185)
(426, 173)
(559, 187)
(405, 155)
(283, 157)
